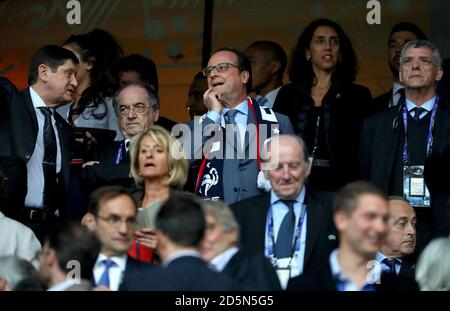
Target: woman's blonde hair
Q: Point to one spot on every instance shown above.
(178, 165)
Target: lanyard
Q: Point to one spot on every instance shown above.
(270, 235)
(430, 129)
(258, 152)
(316, 136)
(119, 153)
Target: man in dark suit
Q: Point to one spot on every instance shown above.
(137, 108)
(396, 163)
(400, 240)
(137, 68)
(68, 256)
(111, 216)
(361, 216)
(180, 227)
(310, 235)
(33, 132)
(400, 34)
(225, 143)
(268, 61)
(220, 248)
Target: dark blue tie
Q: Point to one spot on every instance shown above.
(104, 279)
(391, 262)
(49, 160)
(283, 246)
(418, 111)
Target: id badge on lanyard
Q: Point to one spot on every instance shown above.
(414, 187)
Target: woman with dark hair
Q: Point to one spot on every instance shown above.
(98, 53)
(324, 105)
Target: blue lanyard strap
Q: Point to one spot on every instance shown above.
(430, 129)
(119, 153)
(270, 235)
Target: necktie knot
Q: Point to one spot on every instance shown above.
(417, 112)
(108, 263)
(391, 262)
(46, 111)
(230, 115)
(289, 204)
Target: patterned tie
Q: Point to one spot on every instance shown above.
(104, 279)
(391, 262)
(283, 246)
(418, 111)
(49, 160)
(263, 101)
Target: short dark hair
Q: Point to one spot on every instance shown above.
(407, 26)
(107, 193)
(277, 52)
(144, 66)
(153, 99)
(52, 56)
(347, 198)
(73, 242)
(242, 62)
(182, 220)
(301, 71)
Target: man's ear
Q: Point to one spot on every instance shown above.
(156, 111)
(440, 72)
(340, 221)
(88, 221)
(43, 72)
(275, 67)
(90, 63)
(245, 76)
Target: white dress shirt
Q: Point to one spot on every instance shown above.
(116, 272)
(35, 172)
(220, 261)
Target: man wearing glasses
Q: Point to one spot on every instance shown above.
(137, 108)
(111, 216)
(232, 129)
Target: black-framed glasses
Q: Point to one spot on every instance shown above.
(138, 108)
(115, 221)
(222, 67)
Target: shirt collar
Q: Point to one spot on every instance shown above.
(120, 261)
(242, 108)
(428, 106)
(36, 99)
(380, 257)
(271, 96)
(220, 261)
(299, 199)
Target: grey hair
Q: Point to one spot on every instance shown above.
(397, 198)
(433, 266)
(14, 269)
(153, 99)
(223, 213)
(437, 59)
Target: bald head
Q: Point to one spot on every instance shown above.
(401, 238)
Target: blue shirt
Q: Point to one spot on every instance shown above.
(279, 210)
(428, 106)
(385, 268)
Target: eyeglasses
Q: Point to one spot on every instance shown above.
(222, 67)
(115, 221)
(139, 108)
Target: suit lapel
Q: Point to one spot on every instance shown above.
(395, 126)
(30, 109)
(314, 222)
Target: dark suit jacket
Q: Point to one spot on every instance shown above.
(381, 103)
(252, 271)
(133, 270)
(319, 278)
(251, 215)
(19, 128)
(381, 138)
(345, 106)
(185, 273)
(107, 172)
(165, 123)
(408, 269)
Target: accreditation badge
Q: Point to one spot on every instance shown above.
(414, 188)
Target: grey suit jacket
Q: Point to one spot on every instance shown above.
(239, 175)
